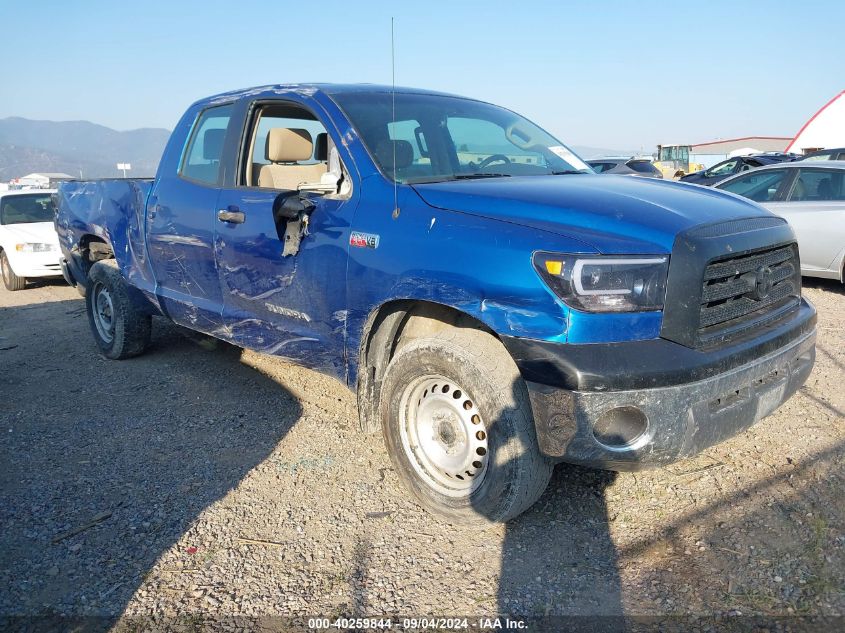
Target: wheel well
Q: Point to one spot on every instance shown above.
(388, 329)
(92, 249)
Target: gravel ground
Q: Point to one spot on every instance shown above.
(200, 480)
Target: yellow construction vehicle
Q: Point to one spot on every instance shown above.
(673, 161)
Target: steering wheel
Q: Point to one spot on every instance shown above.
(495, 158)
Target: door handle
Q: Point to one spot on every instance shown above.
(232, 217)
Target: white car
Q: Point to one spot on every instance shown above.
(29, 245)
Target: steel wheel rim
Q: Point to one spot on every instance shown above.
(4, 264)
(103, 310)
(443, 435)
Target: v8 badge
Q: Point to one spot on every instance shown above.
(363, 240)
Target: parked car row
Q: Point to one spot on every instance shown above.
(732, 166)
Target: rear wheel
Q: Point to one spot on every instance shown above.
(120, 329)
(459, 429)
(10, 279)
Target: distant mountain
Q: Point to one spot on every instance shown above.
(28, 146)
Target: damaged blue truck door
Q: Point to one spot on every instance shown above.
(181, 225)
(291, 306)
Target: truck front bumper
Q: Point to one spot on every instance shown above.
(625, 406)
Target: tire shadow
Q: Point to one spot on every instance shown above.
(106, 464)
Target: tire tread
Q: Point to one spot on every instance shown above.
(133, 329)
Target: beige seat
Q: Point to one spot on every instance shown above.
(285, 147)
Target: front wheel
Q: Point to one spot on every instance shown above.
(459, 429)
(120, 329)
(10, 279)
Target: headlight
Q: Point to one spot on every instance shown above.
(605, 284)
(34, 247)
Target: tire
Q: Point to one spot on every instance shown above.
(459, 429)
(10, 279)
(120, 329)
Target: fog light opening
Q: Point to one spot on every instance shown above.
(621, 427)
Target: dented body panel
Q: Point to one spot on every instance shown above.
(465, 245)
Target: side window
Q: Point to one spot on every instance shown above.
(288, 147)
(814, 185)
(761, 186)
(205, 149)
(477, 140)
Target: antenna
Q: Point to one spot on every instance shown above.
(393, 118)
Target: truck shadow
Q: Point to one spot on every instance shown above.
(573, 578)
(766, 548)
(570, 581)
(94, 489)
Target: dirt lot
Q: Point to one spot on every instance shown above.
(199, 479)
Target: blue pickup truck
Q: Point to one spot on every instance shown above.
(496, 306)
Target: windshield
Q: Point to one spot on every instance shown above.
(673, 153)
(23, 209)
(434, 138)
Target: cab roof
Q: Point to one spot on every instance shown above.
(311, 89)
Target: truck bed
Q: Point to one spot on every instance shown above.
(113, 209)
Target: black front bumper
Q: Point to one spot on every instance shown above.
(691, 398)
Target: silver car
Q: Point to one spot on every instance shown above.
(811, 197)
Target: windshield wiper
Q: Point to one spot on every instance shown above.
(480, 174)
(566, 172)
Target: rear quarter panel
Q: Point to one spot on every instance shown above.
(114, 211)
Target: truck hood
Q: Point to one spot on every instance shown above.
(612, 214)
(37, 232)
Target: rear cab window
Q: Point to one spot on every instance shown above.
(203, 154)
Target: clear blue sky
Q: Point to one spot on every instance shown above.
(618, 75)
